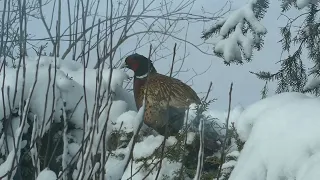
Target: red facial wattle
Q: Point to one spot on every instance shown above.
(134, 66)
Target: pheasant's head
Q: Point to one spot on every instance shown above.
(139, 64)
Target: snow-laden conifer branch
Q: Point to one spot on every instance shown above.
(238, 33)
(304, 3)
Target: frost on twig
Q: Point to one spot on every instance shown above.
(239, 33)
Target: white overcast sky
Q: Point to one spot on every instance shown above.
(246, 86)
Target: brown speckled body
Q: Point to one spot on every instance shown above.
(167, 99)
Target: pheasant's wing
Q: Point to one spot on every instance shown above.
(178, 93)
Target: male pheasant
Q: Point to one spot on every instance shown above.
(167, 98)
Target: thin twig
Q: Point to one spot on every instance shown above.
(222, 159)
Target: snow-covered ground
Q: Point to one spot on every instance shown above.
(281, 132)
(282, 139)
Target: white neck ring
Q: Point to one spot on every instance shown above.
(142, 76)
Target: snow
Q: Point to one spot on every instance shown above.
(282, 139)
(228, 45)
(126, 120)
(234, 154)
(171, 141)
(142, 149)
(312, 83)
(249, 117)
(47, 174)
(73, 148)
(69, 81)
(229, 164)
(303, 3)
(6, 166)
(190, 137)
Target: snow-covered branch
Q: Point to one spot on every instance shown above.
(238, 33)
(303, 3)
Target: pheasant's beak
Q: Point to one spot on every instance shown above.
(123, 65)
